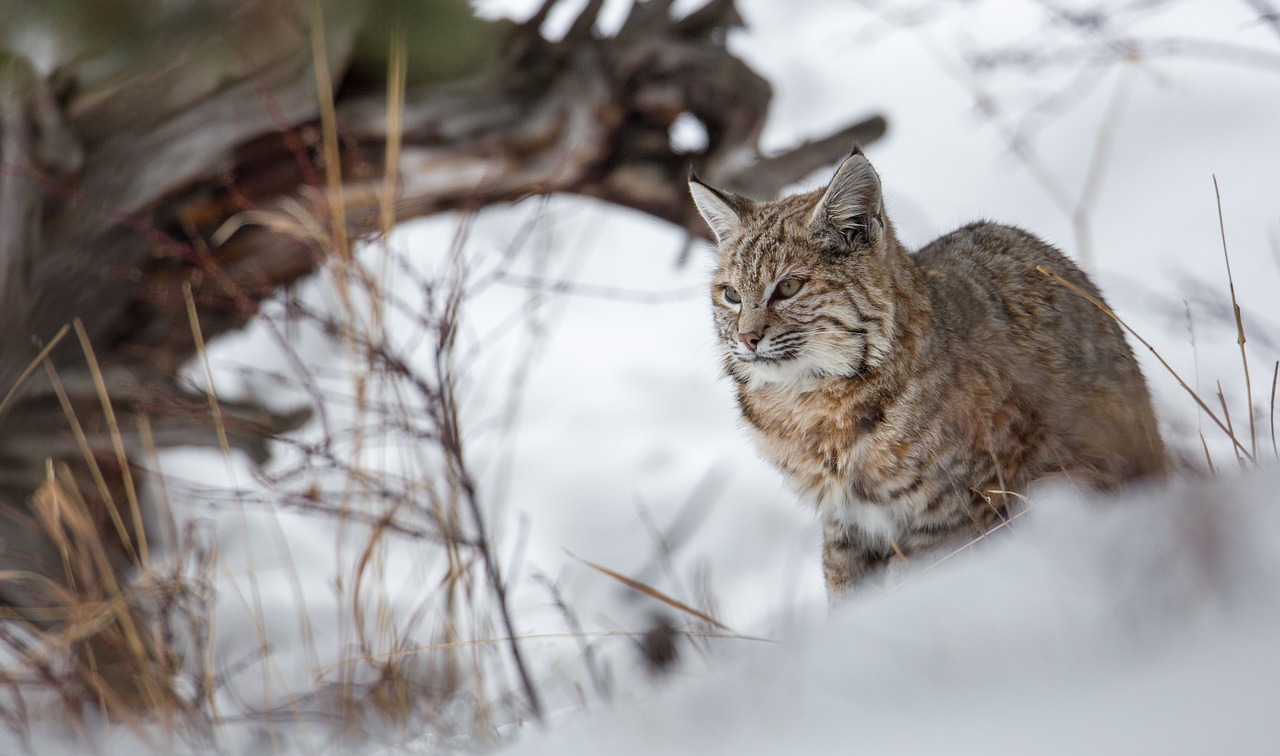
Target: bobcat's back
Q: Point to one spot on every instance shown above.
(913, 398)
(1066, 357)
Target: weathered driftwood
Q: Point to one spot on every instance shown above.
(200, 171)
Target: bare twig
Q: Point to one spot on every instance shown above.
(594, 671)
(1267, 14)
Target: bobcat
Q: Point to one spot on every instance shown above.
(914, 397)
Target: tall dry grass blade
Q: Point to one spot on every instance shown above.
(1226, 413)
(215, 407)
(64, 515)
(31, 368)
(90, 460)
(1008, 523)
(374, 298)
(1235, 307)
(1195, 360)
(397, 76)
(160, 490)
(397, 72)
(1275, 374)
(329, 132)
(1111, 314)
(172, 587)
(117, 441)
(1207, 457)
(652, 592)
(121, 661)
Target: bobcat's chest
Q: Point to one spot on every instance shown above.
(852, 452)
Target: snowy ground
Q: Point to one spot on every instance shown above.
(1142, 626)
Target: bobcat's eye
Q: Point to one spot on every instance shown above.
(731, 295)
(786, 288)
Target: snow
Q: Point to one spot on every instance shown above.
(600, 430)
(1140, 626)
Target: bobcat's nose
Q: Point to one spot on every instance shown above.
(751, 339)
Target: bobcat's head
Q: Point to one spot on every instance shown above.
(802, 287)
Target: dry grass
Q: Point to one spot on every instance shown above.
(132, 628)
(105, 624)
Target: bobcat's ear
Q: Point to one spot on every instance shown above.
(852, 204)
(723, 211)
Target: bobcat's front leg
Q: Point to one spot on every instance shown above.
(847, 559)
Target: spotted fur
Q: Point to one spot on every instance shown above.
(913, 397)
